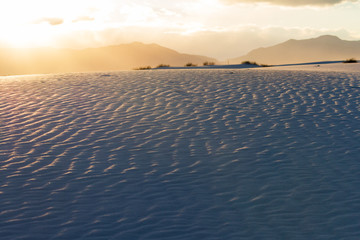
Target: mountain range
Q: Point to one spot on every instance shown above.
(323, 48)
(133, 55)
(111, 58)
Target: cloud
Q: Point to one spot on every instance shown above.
(84, 18)
(51, 21)
(293, 3)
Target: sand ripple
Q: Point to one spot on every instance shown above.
(180, 155)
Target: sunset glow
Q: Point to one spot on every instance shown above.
(187, 26)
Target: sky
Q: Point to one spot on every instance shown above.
(221, 29)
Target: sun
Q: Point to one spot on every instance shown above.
(25, 37)
(19, 28)
(28, 24)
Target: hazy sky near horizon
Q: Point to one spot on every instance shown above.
(216, 28)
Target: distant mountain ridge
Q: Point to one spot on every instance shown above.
(111, 58)
(136, 54)
(323, 48)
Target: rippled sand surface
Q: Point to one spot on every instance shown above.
(201, 154)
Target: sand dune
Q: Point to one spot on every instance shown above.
(327, 66)
(185, 154)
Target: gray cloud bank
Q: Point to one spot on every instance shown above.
(293, 3)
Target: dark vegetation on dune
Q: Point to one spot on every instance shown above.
(143, 68)
(209, 63)
(255, 64)
(190, 65)
(163, 66)
(350, 60)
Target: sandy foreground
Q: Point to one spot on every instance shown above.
(270, 153)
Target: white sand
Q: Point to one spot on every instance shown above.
(330, 67)
(315, 66)
(182, 154)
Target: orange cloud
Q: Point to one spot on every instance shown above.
(51, 21)
(84, 18)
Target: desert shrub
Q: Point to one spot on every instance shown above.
(350, 60)
(190, 65)
(143, 68)
(250, 63)
(163, 66)
(208, 63)
(265, 65)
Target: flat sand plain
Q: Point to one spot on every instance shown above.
(270, 153)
